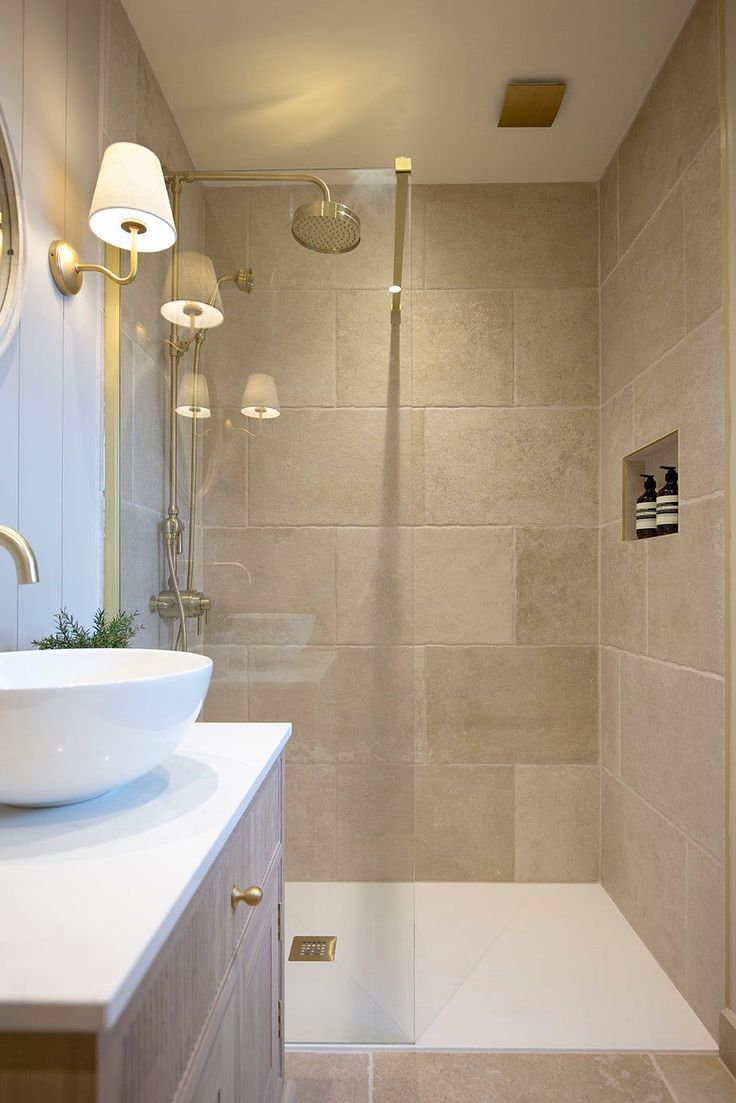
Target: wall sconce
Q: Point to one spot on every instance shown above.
(198, 303)
(130, 210)
(193, 397)
(260, 399)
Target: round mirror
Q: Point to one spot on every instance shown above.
(12, 240)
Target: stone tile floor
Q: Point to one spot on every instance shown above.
(400, 1076)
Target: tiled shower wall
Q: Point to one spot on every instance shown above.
(405, 564)
(662, 603)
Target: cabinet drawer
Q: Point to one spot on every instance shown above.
(144, 1057)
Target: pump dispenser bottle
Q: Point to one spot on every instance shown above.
(646, 509)
(667, 503)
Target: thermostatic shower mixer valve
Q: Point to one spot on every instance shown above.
(194, 603)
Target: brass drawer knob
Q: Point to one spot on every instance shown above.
(252, 896)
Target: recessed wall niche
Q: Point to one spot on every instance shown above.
(648, 460)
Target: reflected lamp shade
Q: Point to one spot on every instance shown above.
(193, 396)
(131, 188)
(198, 300)
(259, 397)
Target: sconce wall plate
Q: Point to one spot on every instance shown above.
(63, 262)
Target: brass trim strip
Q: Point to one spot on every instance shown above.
(111, 558)
(402, 168)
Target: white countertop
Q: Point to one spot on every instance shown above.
(90, 892)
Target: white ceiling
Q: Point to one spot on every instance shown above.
(336, 83)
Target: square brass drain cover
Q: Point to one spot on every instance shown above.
(313, 947)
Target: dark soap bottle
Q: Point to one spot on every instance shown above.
(667, 503)
(646, 510)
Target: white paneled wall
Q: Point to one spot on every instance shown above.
(50, 378)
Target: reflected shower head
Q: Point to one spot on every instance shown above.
(326, 226)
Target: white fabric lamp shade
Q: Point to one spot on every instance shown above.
(131, 188)
(259, 397)
(193, 396)
(198, 298)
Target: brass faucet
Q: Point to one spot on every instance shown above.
(26, 567)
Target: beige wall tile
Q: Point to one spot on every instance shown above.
(608, 218)
(511, 235)
(224, 486)
(374, 585)
(375, 823)
(617, 440)
(310, 802)
(705, 936)
(642, 302)
(349, 704)
(416, 223)
(672, 745)
(374, 357)
(142, 571)
(332, 467)
(701, 194)
(610, 711)
(516, 1077)
(154, 124)
(462, 348)
(557, 585)
(679, 112)
(500, 467)
(697, 1077)
(327, 1077)
(271, 585)
(643, 869)
(686, 599)
(120, 69)
(508, 704)
(464, 823)
(692, 379)
(227, 215)
(623, 590)
(557, 823)
(464, 585)
(556, 347)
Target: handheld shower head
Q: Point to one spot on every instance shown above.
(326, 226)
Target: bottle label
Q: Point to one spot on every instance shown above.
(646, 515)
(667, 509)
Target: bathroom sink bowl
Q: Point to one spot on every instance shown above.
(75, 723)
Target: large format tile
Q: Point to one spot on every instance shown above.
(702, 201)
(511, 235)
(643, 868)
(557, 585)
(224, 487)
(679, 112)
(347, 704)
(332, 467)
(642, 302)
(512, 1077)
(311, 822)
(697, 1077)
(512, 704)
(375, 823)
(556, 347)
(692, 378)
(463, 346)
(327, 1077)
(686, 598)
(705, 935)
(617, 440)
(271, 585)
(120, 68)
(672, 745)
(623, 590)
(557, 823)
(374, 361)
(463, 585)
(501, 467)
(610, 710)
(464, 822)
(608, 218)
(374, 584)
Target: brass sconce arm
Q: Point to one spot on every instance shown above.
(67, 269)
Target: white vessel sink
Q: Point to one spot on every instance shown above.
(75, 723)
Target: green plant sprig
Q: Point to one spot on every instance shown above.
(118, 631)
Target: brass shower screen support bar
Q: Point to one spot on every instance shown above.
(402, 168)
(232, 175)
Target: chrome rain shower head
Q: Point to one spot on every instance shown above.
(326, 226)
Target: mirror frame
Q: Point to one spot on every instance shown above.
(12, 304)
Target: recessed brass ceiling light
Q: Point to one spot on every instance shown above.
(532, 103)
